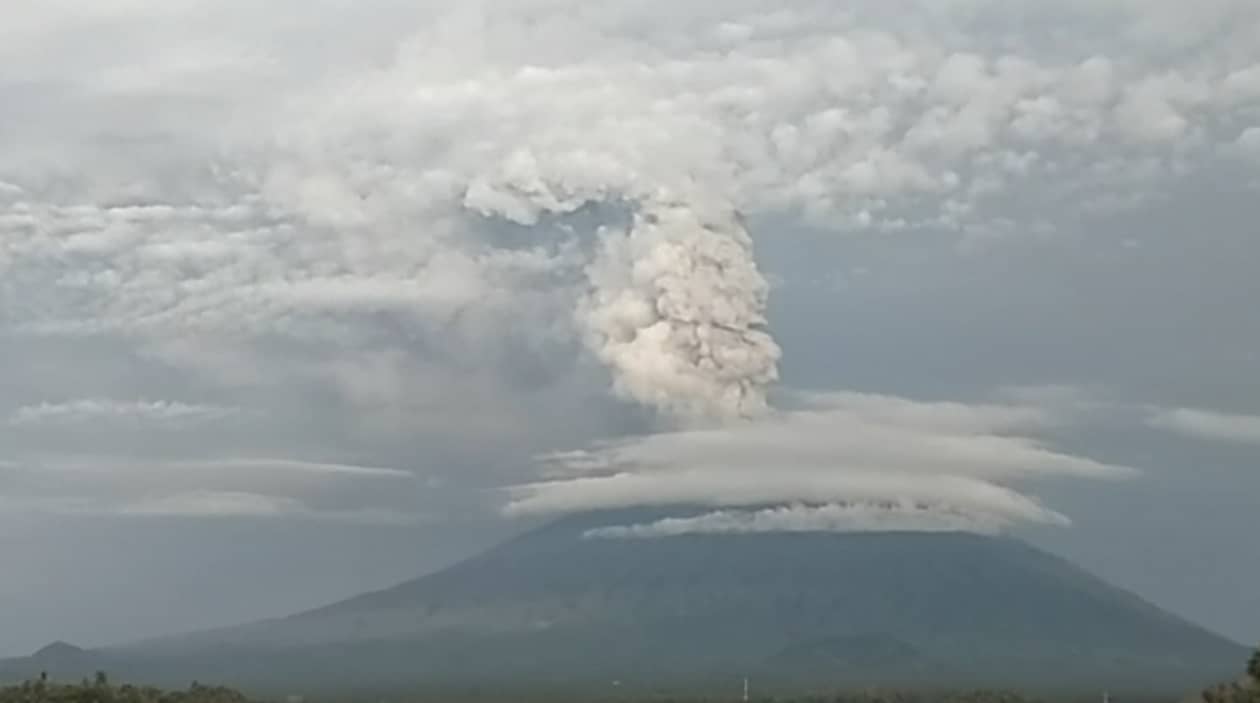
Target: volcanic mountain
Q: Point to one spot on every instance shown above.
(562, 607)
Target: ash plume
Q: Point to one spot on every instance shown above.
(677, 311)
(675, 305)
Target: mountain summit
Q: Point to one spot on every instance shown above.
(559, 606)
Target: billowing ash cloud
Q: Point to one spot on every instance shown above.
(676, 304)
(677, 310)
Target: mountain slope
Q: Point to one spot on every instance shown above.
(814, 608)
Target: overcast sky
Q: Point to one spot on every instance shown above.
(299, 299)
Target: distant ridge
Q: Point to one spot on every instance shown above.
(554, 607)
(58, 650)
(58, 660)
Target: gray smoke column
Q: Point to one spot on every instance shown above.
(677, 311)
(676, 307)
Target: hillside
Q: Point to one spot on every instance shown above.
(788, 609)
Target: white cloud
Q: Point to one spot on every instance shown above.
(1249, 141)
(339, 197)
(259, 487)
(1027, 411)
(850, 448)
(205, 505)
(289, 465)
(1209, 425)
(215, 504)
(407, 218)
(900, 516)
(101, 410)
(215, 469)
(222, 504)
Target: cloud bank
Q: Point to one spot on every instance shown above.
(209, 488)
(416, 224)
(323, 198)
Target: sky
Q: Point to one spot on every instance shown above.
(301, 299)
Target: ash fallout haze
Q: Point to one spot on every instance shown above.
(304, 299)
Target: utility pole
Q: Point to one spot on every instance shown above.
(745, 689)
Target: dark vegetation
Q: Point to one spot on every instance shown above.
(1244, 690)
(99, 690)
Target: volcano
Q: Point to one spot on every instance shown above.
(562, 607)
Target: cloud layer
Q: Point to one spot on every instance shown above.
(221, 488)
(1209, 425)
(900, 516)
(414, 225)
(99, 410)
(868, 460)
(354, 192)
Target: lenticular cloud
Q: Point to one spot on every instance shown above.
(851, 462)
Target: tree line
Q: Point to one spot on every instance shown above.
(100, 690)
(1245, 690)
